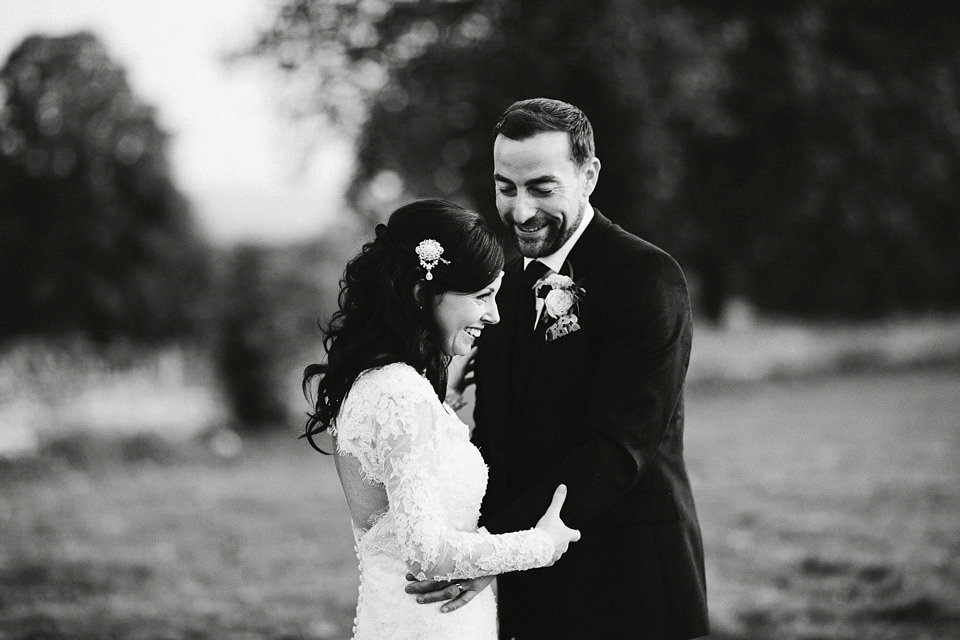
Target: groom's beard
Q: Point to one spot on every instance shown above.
(553, 235)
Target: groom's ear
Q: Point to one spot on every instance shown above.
(590, 173)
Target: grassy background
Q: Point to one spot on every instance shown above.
(830, 507)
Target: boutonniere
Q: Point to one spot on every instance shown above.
(561, 303)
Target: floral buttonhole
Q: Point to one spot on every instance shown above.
(561, 302)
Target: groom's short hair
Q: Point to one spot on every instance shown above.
(526, 118)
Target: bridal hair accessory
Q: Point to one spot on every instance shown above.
(429, 252)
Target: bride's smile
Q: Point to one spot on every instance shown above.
(461, 317)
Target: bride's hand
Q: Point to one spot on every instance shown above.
(460, 372)
(459, 377)
(553, 526)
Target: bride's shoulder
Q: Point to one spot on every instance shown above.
(395, 383)
(396, 374)
(385, 400)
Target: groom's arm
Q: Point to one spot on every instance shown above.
(454, 594)
(642, 356)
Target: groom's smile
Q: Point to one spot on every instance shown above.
(539, 228)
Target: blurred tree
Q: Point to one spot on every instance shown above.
(840, 191)
(803, 155)
(94, 237)
(422, 83)
(273, 298)
(250, 340)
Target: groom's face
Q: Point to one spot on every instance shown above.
(541, 192)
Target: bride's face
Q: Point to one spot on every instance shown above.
(461, 317)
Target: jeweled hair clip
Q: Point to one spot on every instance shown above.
(429, 252)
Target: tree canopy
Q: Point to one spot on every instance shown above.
(805, 156)
(94, 236)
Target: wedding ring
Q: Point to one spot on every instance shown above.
(461, 587)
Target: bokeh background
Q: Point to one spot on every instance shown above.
(181, 184)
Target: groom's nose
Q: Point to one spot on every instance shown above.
(524, 207)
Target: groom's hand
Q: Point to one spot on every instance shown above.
(456, 594)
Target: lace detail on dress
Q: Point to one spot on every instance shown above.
(417, 453)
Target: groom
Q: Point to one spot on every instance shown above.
(581, 383)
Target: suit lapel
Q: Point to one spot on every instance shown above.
(581, 258)
(583, 253)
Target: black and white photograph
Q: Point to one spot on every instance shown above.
(479, 320)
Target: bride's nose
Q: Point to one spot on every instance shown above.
(491, 314)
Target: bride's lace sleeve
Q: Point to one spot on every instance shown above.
(407, 443)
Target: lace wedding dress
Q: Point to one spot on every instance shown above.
(414, 483)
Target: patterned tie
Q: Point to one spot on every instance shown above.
(528, 297)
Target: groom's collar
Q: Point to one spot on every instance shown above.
(556, 259)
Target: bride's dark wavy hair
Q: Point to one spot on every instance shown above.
(386, 304)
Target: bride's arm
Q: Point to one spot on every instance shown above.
(432, 546)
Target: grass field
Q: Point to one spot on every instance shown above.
(830, 509)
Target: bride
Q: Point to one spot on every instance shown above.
(418, 294)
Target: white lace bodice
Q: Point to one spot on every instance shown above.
(415, 460)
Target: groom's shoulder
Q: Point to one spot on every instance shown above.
(640, 275)
(628, 252)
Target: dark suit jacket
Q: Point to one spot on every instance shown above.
(600, 410)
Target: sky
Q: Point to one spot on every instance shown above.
(232, 152)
